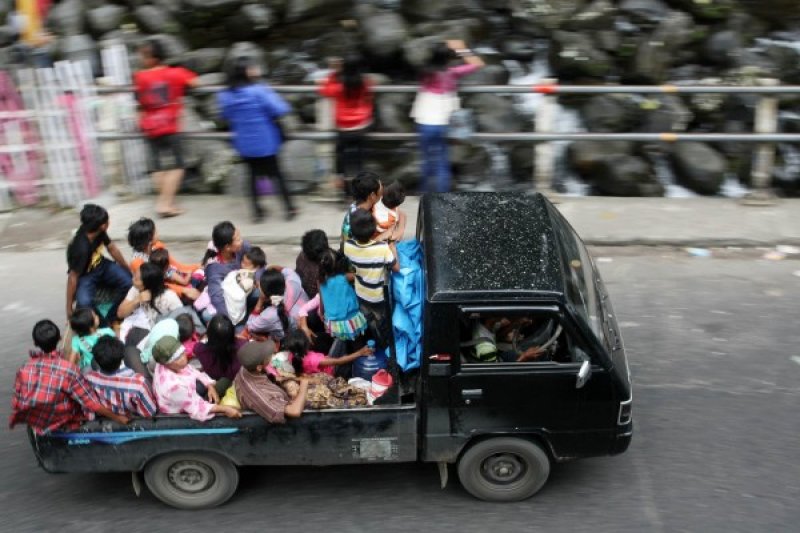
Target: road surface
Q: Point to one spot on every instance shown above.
(714, 346)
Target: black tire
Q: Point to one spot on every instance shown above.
(503, 469)
(191, 480)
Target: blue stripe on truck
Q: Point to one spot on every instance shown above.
(121, 437)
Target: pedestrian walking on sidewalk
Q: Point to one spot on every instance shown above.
(433, 106)
(160, 89)
(252, 110)
(351, 90)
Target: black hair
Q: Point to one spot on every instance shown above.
(141, 233)
(272, 283)
(332, 263)
(108, 351)
(440, 57)
(82, 321)
(364, 184)
(153, 280)
(298, 345)
(222, 235)
(222, 340)
(257, 256)
(155, 49)
(352, 76)
(394, 194)
(185, 326)
(93, 217)
(160, 257)
(46, 335)
(362, 225)
(314, 244)
(236, 75)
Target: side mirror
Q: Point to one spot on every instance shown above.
(584, 374)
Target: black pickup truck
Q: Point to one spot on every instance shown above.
(523, 365)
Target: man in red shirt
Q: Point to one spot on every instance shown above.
(49, 392)
(160, 89)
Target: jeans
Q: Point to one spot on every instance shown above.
(107, 274)
(435, 160)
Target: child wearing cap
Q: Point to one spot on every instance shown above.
(175, 384)
(257, 391)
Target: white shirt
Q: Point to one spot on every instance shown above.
(145, 316)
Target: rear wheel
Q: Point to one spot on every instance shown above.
(503, 469)
(191, 480)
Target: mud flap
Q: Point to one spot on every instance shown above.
(137, 483)
(443, 471)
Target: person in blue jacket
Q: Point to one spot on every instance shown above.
(251, 109)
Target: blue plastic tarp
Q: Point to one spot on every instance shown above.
(408, 292)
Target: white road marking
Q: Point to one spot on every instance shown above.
(796, 359)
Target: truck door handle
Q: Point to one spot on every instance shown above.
(472, 394)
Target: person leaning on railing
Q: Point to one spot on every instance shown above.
(433, 106)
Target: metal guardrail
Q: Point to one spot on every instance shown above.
(765, 135)
(542, 88)
(507, 137)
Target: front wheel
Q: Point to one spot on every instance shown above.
(503, 469)
(191, 480)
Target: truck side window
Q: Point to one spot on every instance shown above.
(529, 338)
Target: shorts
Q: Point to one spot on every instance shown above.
(165, 152)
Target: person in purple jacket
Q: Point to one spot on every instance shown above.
(230, 249)
(251, 109)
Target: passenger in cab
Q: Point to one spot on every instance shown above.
(86, 331)
(507, 340)
(257, 391)
(50, 393)
(175, 384)
(121, 389)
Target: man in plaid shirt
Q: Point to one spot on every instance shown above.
(49, 392)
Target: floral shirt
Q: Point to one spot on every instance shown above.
(176, 392)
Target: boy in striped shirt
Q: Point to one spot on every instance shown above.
(120, 389)
(370, 259)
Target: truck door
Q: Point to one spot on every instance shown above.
(517, 390)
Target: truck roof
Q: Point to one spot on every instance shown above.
(490, 245)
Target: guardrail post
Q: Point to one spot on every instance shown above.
(544, 152)
(325, 150)
(766, 121)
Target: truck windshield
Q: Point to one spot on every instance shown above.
(580, 288)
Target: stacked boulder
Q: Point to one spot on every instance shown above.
(579, 41)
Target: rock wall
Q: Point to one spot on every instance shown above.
(580, 41)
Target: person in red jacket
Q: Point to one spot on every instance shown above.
(160, 89)
(352, 91)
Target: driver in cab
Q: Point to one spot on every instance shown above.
(507, 340)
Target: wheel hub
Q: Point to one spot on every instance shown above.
(190, 476)
(502, 468)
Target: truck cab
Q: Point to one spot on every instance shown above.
(522, 365)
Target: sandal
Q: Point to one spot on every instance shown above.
(170, 213)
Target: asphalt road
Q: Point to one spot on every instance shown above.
(714, 346)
